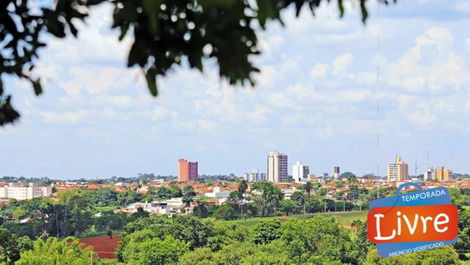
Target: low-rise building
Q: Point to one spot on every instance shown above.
(168, 207)
(255, 176)
(217, 193)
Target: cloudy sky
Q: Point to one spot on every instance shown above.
(316, 100)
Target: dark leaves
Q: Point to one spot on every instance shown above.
(137, 54)
(151, 78)
(124, 29)
(341, 8)
(364, 12)
(7, 113)
(166, 34)
(266, 10)
(37, 87)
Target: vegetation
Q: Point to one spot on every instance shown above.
(315, 240)
(165, 34)
(53, 251)
(308, 230)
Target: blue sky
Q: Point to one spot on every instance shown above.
(315, 100)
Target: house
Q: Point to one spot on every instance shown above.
(217, 193)
(168, 207)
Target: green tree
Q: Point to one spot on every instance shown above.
(300, 199)
(438, 256)
(188, 190)
(267, 231)
(313, 205)
(176, 191)
(463, 241)
(141, 213)
(200, 256)
(308, 187)
(163, 193)
(164, 33)
(322, 191)
(360, 241)
(155, 251)
(190, 229)
(109, 233)
(288, 206)
(55, 252)
(318, 240)
(347, 175)
(226, 212)
(200, 210)
(187, 200)
(11, 246)
(267, 197)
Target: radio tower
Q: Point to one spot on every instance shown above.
(416, 166)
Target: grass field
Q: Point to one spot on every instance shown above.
(343, 218)
(346, 218)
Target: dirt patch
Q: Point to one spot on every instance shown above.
(102, 245)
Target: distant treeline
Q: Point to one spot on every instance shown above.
(141, 177)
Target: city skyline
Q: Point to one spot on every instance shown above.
(315, 100)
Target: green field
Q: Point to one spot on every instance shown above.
(343, 218)
(346, 218)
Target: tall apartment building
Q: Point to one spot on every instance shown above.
(336, 172)
(430, 174)
(21, 191)
(397, 171)
(255, 176)
(443, 173)
(277, 167)
(300, 172)
(187, 170)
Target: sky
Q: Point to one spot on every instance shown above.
(316, 100)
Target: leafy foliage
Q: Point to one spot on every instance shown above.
(267, 231)
(437, 256)
(11, 246)
(54, 251)
(288, 206)
(165, 34)
(267, 197)
(154, 251)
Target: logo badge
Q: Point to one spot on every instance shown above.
(413, 221)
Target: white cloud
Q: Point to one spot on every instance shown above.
(319, 70)
(430, 65)
(317, 86)
(160, 113)
(66, 117)
(341, 63)
(71, 89)
(462, 6)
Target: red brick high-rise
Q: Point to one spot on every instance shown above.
(187, 171)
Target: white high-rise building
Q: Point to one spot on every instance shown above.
(300, 172)
(430, 174)
(255, 176)
(277, 167)
(20, 191)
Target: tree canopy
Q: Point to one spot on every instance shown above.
(53, 251)
(165, 34)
